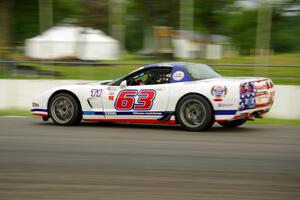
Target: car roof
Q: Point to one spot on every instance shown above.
(167, 64)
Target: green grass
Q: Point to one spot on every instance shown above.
(280, 75)
(276, 59)
(15, 112)
(271, 121)
(275, 121)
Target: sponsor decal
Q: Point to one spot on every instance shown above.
(219, 91)
(147, 113)
(111, 97)
(247, 96)
(256, 94)
(96, 92)
(134, 99)
(110, 113)
(178, 75)
(225, 104)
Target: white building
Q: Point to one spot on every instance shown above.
(191, 45)
(72, 42)
(94, 45)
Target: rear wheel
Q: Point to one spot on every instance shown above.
(194, 113)
(64, 110)
(233, 124)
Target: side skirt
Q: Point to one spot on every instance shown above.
(134, 121)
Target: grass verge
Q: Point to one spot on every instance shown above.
(275, 121)
(15, 112)
(279, 75)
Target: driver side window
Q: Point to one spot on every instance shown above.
(160, 75)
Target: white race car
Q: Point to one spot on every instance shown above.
(190, 94)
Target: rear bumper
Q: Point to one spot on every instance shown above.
(256, 99)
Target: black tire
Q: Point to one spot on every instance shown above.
(194, 113)
(64, 110)
(233, 124)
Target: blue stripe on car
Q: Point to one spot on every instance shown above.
(39, 110)
(225, 112)
(93, 113)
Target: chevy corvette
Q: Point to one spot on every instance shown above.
(190, 94)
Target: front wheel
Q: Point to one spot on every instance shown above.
(233, 124)
(194, 113)
(64, 110)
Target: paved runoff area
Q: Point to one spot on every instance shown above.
(39, 160)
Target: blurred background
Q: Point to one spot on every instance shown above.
(104, 39)
(48, 43)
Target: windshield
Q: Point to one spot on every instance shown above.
(119, 80)
(200, 71)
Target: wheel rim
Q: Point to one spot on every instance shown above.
(62, 110)
(192, 113)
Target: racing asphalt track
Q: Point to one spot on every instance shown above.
(39, 160)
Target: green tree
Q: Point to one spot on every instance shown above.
(25, 20)
(5, 23)
(25, 17)
(241, 28)
(95, 14)
(143, 14)
(210, 15)
(285, 27)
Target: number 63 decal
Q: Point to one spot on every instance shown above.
(126, 99)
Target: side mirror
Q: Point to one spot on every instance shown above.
(123, 84)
